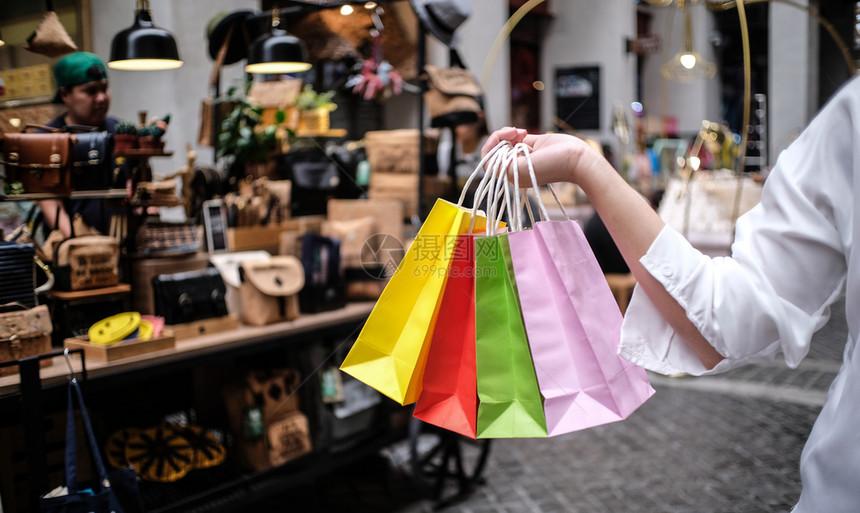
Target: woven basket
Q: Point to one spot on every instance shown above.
(156, 238)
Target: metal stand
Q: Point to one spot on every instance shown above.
(34, 428)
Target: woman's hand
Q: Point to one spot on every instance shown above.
(555, 157)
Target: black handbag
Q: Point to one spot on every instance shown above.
(92, 160)
(324, 287)
(189, 296)
(315, 180)
(116, 492)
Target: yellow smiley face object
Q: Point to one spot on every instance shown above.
(114, 328)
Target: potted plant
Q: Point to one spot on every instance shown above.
(125, 137)
(244, 136)
(150, 135)
(314, 110)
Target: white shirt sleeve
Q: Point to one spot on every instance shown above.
(788, 264)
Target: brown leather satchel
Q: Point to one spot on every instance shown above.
(269, 289)
(40, 161)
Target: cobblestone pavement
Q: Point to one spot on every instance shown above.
(729, 443)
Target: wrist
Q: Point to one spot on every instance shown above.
(586, 165)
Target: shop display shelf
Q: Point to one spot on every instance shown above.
(143, 152)
(95, 194)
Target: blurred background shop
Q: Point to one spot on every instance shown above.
(251, 214)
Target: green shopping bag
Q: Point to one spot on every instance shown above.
(510, 404)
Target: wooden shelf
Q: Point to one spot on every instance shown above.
(156, 203)
(334, 133)
(143, 152)
(96, 194)
(244, 336)
(121, 288)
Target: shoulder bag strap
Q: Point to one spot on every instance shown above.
(71, 452)
(219, 59)
(454, 59)
(45, 128)
(81, 129)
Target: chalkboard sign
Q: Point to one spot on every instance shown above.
(215, 226)
(577, 98)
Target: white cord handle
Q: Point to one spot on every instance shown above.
(526, 151)
(480, 169)
(487, 182)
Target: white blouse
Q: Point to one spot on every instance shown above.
(793, 256)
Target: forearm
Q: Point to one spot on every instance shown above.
(634, 225)
(56, 217)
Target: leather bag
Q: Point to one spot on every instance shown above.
(86, 262)
(324, 282)
(315, 179)
(24, 332)
(256, 406)
(40, 161)
(269, 288)
(189, 296)
(92, 161)
(115, 492)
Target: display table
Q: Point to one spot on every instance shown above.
(128, 382)
(244, 336)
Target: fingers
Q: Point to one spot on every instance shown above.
(512, 134)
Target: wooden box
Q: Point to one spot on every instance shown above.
(268, 237)
(396, 186)
(388, 213)
(123, 349)
(188, 330)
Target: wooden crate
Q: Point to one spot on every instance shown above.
(268, 237)
(388, 213)
(123, 349)
(205, 327)
(396, 186)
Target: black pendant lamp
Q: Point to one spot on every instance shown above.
(277, 51)
(143, 46)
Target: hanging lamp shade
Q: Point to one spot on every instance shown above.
(143, 46)
(688, 65)
(2, 41)
(277, 51)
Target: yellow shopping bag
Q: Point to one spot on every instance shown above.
(391, 350)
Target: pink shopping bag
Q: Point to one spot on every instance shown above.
(574, 327)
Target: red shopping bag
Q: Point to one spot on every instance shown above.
(449, 398)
